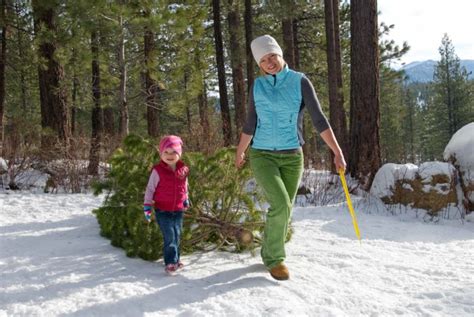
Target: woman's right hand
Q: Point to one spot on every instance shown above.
(239, 159)
(240, 152)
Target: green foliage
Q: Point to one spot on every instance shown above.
(219, 196)
(121, 217)
(450, 104)
(418, 119)
(221, 207)
(389, 50)
(392, 116)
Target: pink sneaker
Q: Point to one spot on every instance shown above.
(179, 265)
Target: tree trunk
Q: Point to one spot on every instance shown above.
(96, 136)
(20, 52)
(295, 43)
(288, 44)
(123, 104)
(75, 85)
(308, 150)
(151, 86)
(337, 114)
(237, 57)
(3, 61)
(109, 120)
(407, 101)
(53, 95)
(202, 107)
(248, 39)
(187, 107)
(449, 97)
(224, 102)
(108, 110)
(204, 120)
(365, 159)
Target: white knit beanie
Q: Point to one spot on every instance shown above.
(264, 45)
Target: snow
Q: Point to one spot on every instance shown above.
(3, 166)
(388, 174)
(428, 169)
(53, 262)
(461, 146)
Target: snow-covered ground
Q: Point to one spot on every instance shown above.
(53, 262)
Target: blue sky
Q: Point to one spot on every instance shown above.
(422, 24)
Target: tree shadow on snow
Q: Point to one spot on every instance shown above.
(337, 220)
(178, 291)
(46, 263)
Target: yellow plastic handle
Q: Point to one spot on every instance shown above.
(349, 203)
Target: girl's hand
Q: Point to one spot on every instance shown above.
(147, 213)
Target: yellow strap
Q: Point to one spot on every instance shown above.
(349, 203)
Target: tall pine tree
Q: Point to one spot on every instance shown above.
(364, 160)
(452, 100)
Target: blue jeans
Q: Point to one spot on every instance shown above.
(170, 225)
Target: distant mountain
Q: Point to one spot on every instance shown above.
(423, 71)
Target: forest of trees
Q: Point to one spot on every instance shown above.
(77, 77)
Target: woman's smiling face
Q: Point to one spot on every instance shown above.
(272, 63)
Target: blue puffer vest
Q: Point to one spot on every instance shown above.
(277, 103)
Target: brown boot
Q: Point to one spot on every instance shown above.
(280, 272)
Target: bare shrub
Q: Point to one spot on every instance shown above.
(20, 148)
(321, 188)
(58, 168)
(196, 141)
(68, 168)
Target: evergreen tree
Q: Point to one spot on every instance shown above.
(187, 69)
(395, 110)
(237, 58)
(410, 126)
(224, 102)
(248, 22)
(222, 215)
(124, 117)
(337, 114)
(452, 96)
(97, 115)
(4, 26)
(151, 87)
(53, 93)
(392, 116)
(447, 103)
(22, 117)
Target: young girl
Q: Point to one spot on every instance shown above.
(167, 191)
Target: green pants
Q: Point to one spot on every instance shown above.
(279, 175)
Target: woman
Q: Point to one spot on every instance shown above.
(274, 130)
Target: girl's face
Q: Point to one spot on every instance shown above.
(272, 63)
(169, 156)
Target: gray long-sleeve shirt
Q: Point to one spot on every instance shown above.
(309, 100)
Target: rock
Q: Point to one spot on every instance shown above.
(460, 152)
(431, 186)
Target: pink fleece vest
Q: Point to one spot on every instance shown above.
(171, 191)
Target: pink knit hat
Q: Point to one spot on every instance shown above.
(171, 142)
